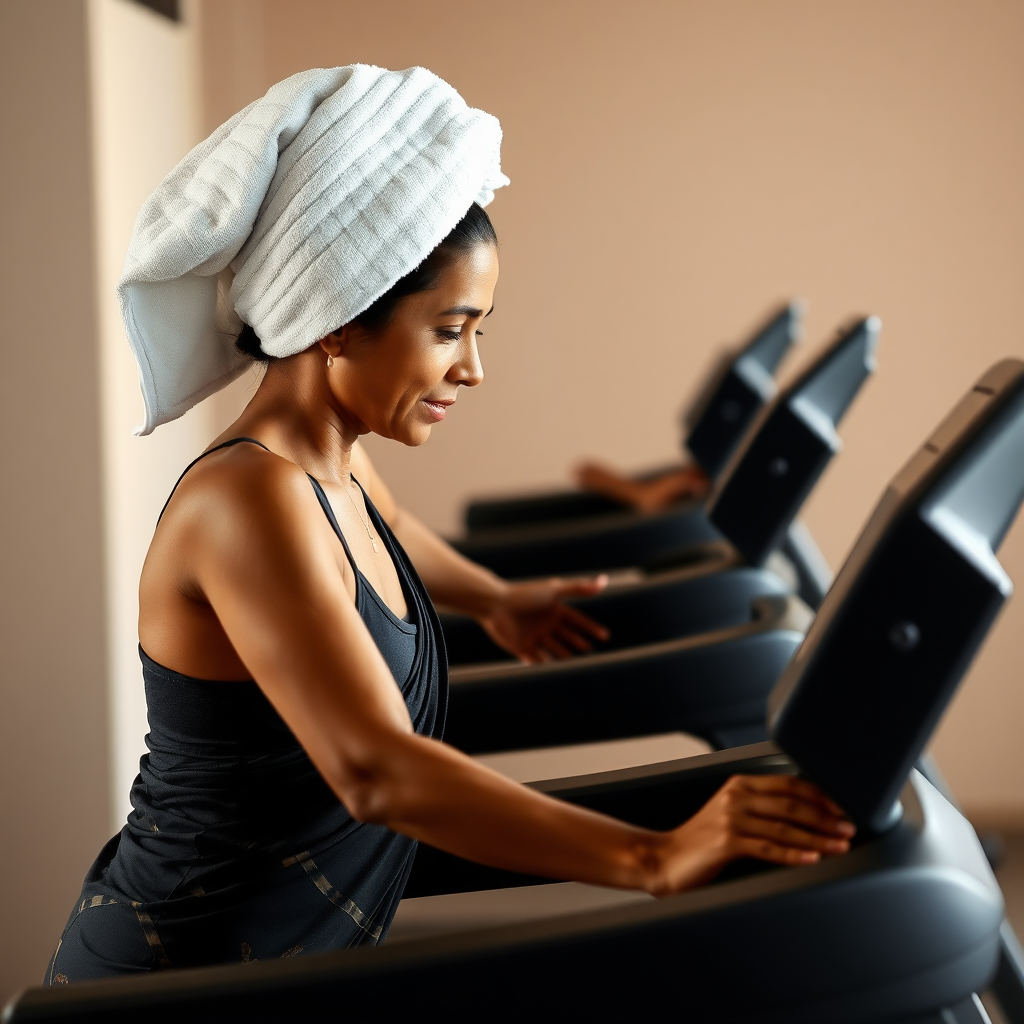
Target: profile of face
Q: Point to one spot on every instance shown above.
(400, 380)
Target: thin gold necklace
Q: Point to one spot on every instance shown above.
(366, 521)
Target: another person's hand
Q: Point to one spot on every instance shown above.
(532, 621)
(776, 818)
(646, 495)
(601, 479)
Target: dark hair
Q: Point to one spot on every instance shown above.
(474, 229)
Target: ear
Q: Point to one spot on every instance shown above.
(335, 343)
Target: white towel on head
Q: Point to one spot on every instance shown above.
(319, 196)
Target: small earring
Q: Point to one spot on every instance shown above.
(330, 361)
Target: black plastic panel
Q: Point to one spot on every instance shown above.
(785, 452)
(695, 688)
(889, 665)
(732, 398)
(735, 404)
(910, 608)
(780, 468)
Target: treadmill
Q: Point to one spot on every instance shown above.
(713, 585)
(629, 539)
(736, 389)
(904, 928)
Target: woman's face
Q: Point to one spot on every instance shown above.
(401, 380)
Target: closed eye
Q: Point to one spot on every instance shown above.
(448, 335)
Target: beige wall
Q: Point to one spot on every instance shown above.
(145, 118)
(53, 708)
(676, 168)
(100, 102)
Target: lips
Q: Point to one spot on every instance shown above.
(438, 406)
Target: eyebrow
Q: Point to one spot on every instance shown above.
(470, 311)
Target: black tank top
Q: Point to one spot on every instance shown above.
(226, 793)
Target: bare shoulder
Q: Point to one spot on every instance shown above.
(233, 480)
(235, 498)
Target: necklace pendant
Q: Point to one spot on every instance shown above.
(376, 550)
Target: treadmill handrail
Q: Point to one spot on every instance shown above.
(774, 611)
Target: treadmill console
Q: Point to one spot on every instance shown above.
(909, 609)
(785, 452)
(743, 384)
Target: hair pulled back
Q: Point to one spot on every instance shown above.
(474, 229)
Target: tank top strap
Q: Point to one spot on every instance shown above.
(325, 504)
(226, 444)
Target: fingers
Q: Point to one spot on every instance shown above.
(537, 626)
(779, 819)
(563, 634)
(583, 622)
(787, 785)
(800, 812)
(776, 853)
(591, 474)
(571, 637)
(784, 833)
(785, 812)
(579, 588)
(555, 646)
(549, 645)
(559, 643)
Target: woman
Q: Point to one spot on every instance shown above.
(294, 668)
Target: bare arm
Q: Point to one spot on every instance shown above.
(529, 620)
(645, 495)
(258, 550)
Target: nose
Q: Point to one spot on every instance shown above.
(467, 369)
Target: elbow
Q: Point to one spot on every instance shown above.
(377, 775)
(370, 792)
(368, 799)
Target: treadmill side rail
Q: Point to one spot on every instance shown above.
(697, 685)
(893, 929)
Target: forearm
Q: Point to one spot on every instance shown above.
(669, 487)
(434, 793)
(610, 484)
(646, 494)
(451, 579)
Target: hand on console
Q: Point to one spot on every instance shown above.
(532, 621)
(777, 818)
(645, 495)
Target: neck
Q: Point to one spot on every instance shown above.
(294, 414)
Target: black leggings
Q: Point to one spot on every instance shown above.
(291, 910)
